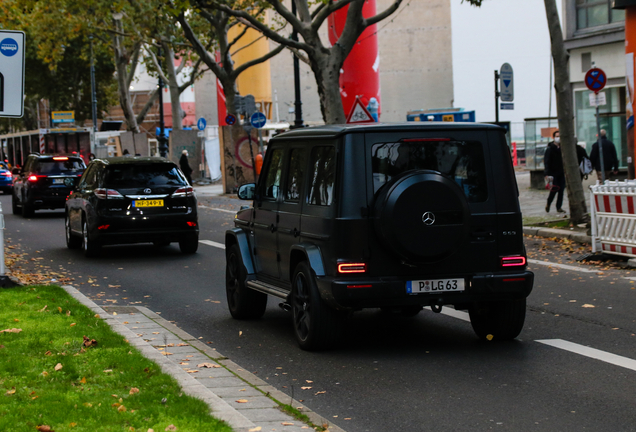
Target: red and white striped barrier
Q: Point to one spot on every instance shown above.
(614, 217)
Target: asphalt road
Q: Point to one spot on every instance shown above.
(393, 374)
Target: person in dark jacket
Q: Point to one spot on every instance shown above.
(610, 159)
(581, 155)
(553, 163)
(185, 166)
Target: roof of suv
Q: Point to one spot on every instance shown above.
(135, 160)
(336, 130)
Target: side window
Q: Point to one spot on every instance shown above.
(295, 174)
(28, 165)
(322, 176)
(89, 177)
(274, 173)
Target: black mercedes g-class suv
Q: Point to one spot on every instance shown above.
(391, 216)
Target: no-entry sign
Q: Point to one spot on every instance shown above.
(11, 73)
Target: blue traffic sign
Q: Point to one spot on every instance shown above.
(201, 123)
(230, 119)
(258, 120)
(595, 79)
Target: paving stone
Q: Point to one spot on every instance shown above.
(237, 392)
(214, 383)
(278, 426)
(253, 402)
(259, 415)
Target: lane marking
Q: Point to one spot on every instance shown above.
(563, 266)
(591, 353)
(219, 209)
(213, 243)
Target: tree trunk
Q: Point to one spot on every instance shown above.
(121, 61)
(327, 77)
(173, 86)
(565, 114)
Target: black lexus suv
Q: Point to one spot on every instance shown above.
(45, 182)
(390, 216)
(132, 200)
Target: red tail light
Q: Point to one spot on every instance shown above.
(359, 286)
(107, 193)
(513, 261)
(192, 224)
(103, 227)
(352, 268)
(8, 174)
(34, 178)
(184, 191)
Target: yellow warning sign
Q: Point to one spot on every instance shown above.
(448, 118)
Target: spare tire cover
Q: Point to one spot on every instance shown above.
(422, 216)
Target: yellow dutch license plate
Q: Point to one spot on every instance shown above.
(148, 203)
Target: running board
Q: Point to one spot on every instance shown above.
(266, 288)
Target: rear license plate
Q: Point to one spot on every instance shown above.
(58, 181)
(433, 286)
(148, 203)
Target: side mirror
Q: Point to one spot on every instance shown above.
(246, 191)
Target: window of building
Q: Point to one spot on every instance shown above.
(594, 13)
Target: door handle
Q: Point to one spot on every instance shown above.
(295, 232)
(272, 228)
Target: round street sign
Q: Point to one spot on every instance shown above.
(258, 120)
(201, 123)
(230, 119)
(595, 79)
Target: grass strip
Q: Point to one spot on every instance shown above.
(48, 377)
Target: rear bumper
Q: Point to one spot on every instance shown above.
(145, 236)
(373, 293)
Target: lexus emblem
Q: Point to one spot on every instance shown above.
(148, 190)
(428, 218)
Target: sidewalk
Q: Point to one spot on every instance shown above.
(245, 402)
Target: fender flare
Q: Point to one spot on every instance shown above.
(314, 257)
(239, 237)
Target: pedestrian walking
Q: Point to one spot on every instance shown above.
(185, 166)
(610, 159)
(555, 176)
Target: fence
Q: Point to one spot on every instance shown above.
(614, 218)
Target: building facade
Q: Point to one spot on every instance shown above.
(595, 36)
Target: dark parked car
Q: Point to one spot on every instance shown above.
(395, 217)
(45, 182)
(132, 200)
(6, 178)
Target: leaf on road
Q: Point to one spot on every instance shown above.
(321, 392)
(183, 344)
(242, 401)
(490, 337)
(588, 306)
(166, 353)
(192, 371)
(240, 333)
(287, 423)
(208, 365)
(309, 381)
(305, 388)
(256, 429)
(58, 367)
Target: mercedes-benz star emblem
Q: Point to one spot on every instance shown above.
(147, 191)
(428, 218)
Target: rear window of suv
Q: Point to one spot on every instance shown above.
(52, 167)
(461, 161)
(130, 176)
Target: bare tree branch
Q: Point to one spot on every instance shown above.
(382, 15)
(151, 101)
(199, 48)
(323, 13)
(155, 62)
(261, 59)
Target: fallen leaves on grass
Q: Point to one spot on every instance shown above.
(58, 367)
(133, 391)
(171, 428)
(10, 392)
(89, 342)
(44, 308)
(44, 428)
(11, 330)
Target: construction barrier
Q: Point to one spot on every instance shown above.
(613, 217)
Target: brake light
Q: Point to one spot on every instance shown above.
(192, 224)
(8, 174)
(513, 261)
(60, 158)
(107, 193)
(424, 139)
(184, 191)
(352, 268)
(34, 178)
(103, 227)
(359, 286)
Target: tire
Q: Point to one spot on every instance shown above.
(27, 210)
(189, 245)
(500, 320)
(14, 205)
(72, 242)
(243, 302)
(317, 325)
(89, 247)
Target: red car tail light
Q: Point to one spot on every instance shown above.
(352, 268)
(184, 191)
(8, 174)
(107, 193)
(103, 227)
(359, 286)
(513, 261)
(34, 178)
(192, 224)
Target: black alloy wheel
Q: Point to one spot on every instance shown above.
(316, 324)
(72, 242)
(244, 303)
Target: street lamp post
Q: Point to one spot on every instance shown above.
(298, 105)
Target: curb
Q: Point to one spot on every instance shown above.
(559, 233)
(218, 406)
